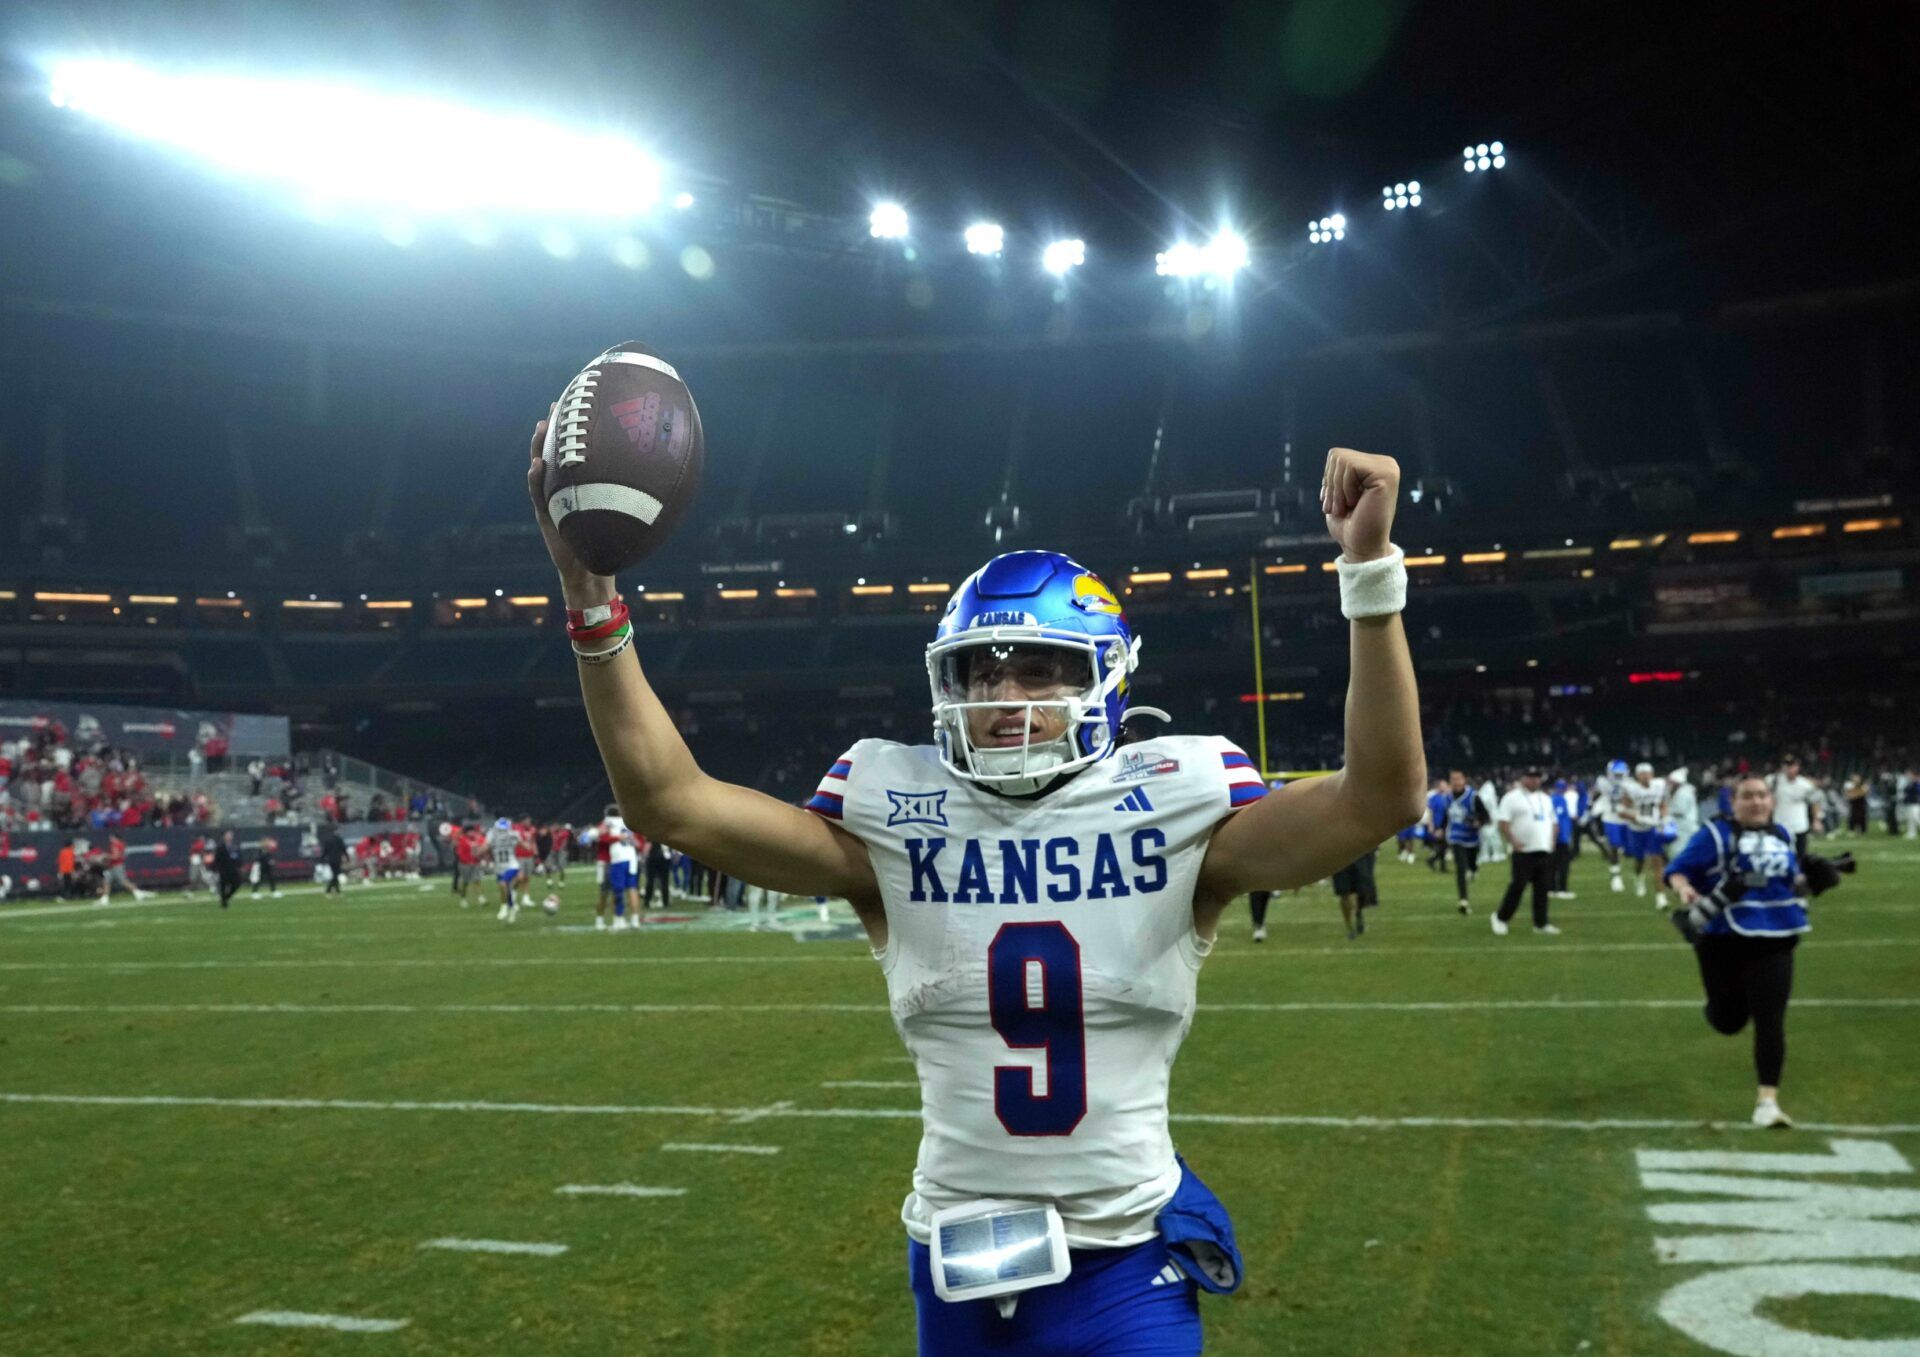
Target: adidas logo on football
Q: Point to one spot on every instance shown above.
(1135, 800)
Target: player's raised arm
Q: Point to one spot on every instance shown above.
(663, 793)
(1316, 827)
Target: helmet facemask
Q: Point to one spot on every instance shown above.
(1023, 679)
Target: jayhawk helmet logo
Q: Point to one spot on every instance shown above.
(1091, 595)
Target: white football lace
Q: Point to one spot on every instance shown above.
(576, 404)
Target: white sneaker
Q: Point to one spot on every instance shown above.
(1660, 900)
(1465, 908)
(1548, 929)
(599, 925)
(1639, 888)
(620, 923)
(1260, 934)
(1767, 1113)
(1616, 883)
(276, 895)
(503, 914)
(1499, 925)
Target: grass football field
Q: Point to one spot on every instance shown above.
(1432, 1141)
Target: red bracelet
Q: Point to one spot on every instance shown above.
(592, 624)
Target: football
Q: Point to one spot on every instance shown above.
(551, 904)
(623, 455)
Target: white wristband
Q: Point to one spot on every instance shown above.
(1373, 588)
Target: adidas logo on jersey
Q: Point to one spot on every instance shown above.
(1135, 800)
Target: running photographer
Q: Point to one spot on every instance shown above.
(1743, 895)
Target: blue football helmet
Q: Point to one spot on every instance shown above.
(1065, 625)
(1618, 768)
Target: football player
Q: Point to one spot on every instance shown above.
(1040, 890)
(503, 849)
(1646, 808)
(1609, 809)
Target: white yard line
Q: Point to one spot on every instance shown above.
(1489, 948)
(871, 1083)
(496, 1246)
(913, 1114)
(1300, 1006)
(686, 1147)
(300, 1319)
(616, 1190)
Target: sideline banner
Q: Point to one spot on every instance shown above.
(149, 730)
(158, 857)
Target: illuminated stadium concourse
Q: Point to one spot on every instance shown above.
(612, 615)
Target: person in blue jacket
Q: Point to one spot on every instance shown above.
(1743, 906)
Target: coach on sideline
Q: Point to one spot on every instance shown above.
(1527, 821)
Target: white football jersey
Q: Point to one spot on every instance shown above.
(1609, 798)
(1683, 811)
(1041, 964)
(501, 844)
(620, 847)
(1643, 802)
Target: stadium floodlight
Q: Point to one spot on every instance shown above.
(339, 143)
(1222, 257)
(888, 221)
(1327, 229)
(1486, 155)
(1402, 195)
(1063, 255)
(682, 201)
(983, 237)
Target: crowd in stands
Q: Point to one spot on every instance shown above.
(51, 781)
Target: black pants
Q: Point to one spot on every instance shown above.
(1562, 865)
(1356, 879)
(1437, 853)
(339, 869)
(1257, 905)
(1466, 860)
(1800, 845)
(657, 876)
(1857, 815)
(267, 878)
(1750, 980)
(229, 887)
(1529, 870)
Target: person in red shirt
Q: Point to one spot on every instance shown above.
(526, 852)
(115, 873)
(464, 860)
(562, 839)
(199, 866)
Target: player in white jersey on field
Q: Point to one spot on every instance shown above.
(1644, 799)
(1683, 808)
(1609, 810)
(1040, 893)
(503, 843)
(623, 872)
